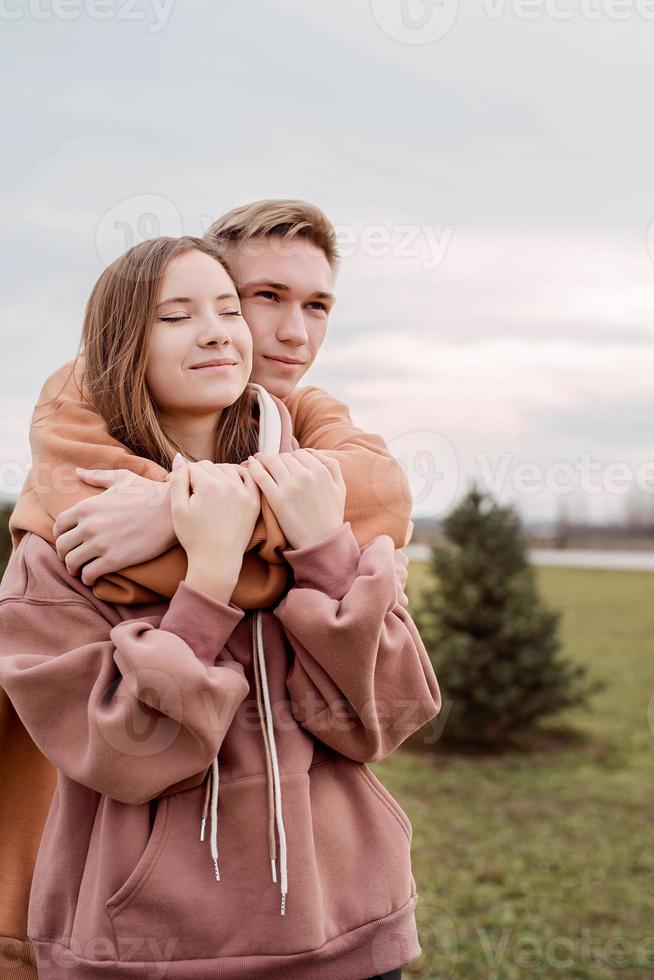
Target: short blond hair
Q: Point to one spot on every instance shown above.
(285, 218)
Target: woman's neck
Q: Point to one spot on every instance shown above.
(195, 435)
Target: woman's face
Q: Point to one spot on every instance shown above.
(198, 318)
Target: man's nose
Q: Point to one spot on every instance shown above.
(292, 327)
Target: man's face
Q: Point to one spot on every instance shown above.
(286, 293)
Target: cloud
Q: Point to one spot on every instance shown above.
(526, 140)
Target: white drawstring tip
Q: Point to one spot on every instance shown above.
(274, 870)
(215, 864)
(202, 826)
(283, 911)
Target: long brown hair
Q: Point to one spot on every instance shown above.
(118, 322)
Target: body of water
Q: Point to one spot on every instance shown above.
(633, 561)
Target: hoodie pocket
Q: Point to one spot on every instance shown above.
(144, 865)
(390, 802)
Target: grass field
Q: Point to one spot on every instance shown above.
(540, 863)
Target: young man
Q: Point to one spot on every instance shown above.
(282, 255)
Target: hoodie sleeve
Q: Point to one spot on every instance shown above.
(378, 495)
(361, 680)
(129, 711)
(67, 431)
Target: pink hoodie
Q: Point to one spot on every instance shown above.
(153, 712)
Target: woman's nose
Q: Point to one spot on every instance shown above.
(214, 329)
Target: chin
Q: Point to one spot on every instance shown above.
(280, 388)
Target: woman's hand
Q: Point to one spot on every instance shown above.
(214, 523)
(306, 491)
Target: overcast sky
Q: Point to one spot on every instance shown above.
(490, 170)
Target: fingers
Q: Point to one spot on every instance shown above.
(249, 482)
(179, 484)
(78, 556)
(275, 464)
(68, 540)
(65, 522)
(335, 470)
(229, 470)
(267, 485)
(92, 571)
(315, 458)
(99, 478)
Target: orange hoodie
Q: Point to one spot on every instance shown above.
(67, 432)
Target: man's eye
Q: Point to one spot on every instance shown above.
(316, 303)
(173, 319)
(267, 293)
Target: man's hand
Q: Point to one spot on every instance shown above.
(306, 491)
(129, 523)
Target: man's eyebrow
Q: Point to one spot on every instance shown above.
(187, 299)
(283, 288)
(266, 282)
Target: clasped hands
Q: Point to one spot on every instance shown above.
(132, 521)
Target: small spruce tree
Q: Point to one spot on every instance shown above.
(491, 640)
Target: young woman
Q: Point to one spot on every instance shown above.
(170, 719)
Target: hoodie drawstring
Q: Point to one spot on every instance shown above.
(272, 771)
(270, 440)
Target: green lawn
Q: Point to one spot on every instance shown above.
(540, 863)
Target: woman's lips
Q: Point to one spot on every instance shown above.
(214, 367)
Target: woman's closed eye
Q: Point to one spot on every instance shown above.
(176, 319)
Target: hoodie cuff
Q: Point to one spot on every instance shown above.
(330, 565)
(205, 624)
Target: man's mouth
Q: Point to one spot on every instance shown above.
(286, 361)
